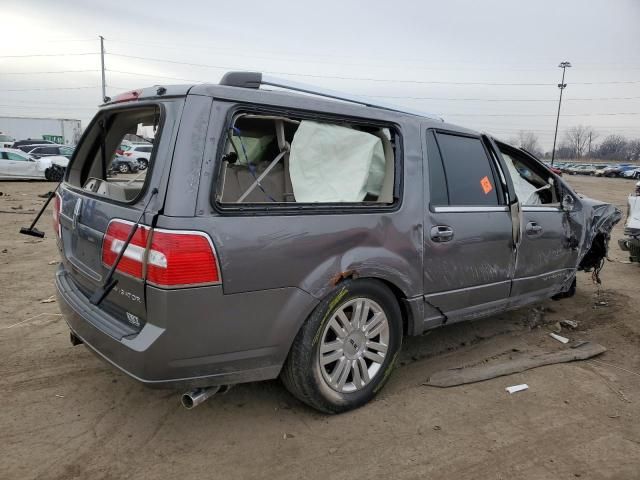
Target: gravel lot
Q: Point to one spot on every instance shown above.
(65, 414)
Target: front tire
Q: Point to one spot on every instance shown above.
(143, 163)
(346, 349)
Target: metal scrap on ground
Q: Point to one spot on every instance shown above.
(454, 377)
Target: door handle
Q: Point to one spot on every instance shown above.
(441, 233)
(533, 229)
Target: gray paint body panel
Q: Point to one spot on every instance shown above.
(277, 265)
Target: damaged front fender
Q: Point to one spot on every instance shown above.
(598, 219)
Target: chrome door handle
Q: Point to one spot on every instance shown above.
(533, 229)
(441, 233)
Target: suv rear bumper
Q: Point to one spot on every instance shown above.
(193, 337)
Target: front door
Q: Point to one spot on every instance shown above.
(547, 253)
(468, 238)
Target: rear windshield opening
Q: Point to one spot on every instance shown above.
(283, 160)
(117, 153)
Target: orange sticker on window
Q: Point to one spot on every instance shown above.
(486, 185)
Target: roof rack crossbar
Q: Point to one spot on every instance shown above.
(257, 79)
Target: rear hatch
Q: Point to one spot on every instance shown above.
(97, 199)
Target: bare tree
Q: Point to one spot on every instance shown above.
(577, 139)
(613, 147)
(529, 141)
(633, 150)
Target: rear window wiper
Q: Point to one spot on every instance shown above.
(110, 282)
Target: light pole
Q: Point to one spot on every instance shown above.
(104, 84)
(561, 86)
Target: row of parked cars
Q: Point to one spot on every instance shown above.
(34, 160)
(45, 160)
(624, 170)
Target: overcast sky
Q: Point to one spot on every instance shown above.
(490, 65)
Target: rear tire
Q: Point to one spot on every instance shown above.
(123, 168)
(346, 349)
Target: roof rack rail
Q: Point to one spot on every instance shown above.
(257, 79)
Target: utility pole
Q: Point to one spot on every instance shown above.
(104, 86)
(561, 86)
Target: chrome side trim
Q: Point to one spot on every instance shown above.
(465, 209)
(536, 208)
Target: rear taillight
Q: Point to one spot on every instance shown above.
(57, 205)
(175, 258)
(128, 154)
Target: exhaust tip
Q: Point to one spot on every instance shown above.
(187, 401)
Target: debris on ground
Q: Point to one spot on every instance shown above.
(556, 327)
(517, 388)
(19, 207)
(559, 338)
(535, 317)
(569, 323)
(53, 262)
(456, 376)
(51, 299)
(288, 435)
(45, 195)
(4, 250)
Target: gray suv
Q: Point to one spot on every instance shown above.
(278, 234)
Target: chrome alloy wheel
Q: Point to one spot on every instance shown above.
(354, 345)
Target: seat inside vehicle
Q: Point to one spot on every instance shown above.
(277, 159)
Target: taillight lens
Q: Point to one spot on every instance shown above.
(128, 154)
(175, 258)
(57, 206)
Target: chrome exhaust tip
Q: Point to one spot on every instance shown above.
(195, 397)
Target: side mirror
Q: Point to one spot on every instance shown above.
(568, 203)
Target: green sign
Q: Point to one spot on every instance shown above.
(54, 138)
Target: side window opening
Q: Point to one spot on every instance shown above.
(287, 160)
(101, 166)
(532, 183)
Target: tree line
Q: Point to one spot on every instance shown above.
(582, 142)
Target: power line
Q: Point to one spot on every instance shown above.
(50, 55)
(304, 58)
(56, 71)
(153, 76)
(458, 99)
(44, 89)
(536, 114)
(227, 67)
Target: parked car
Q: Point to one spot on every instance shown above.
(631, 240)
(617, 170)
(140, 152)
(18, 165)
(6, 140)
(48, 150)
(31, 141)
(285, 235)
(124, 164)
(631, 173)
(601, 169)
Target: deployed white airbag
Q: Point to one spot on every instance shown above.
(330, 163)
(526, 192)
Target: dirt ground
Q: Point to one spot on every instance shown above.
(65, 414)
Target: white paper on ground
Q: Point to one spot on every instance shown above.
(517, 388)
(560, 338)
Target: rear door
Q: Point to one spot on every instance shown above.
(469, 252)
(91, 200)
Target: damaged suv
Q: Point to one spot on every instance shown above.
(280, 234)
